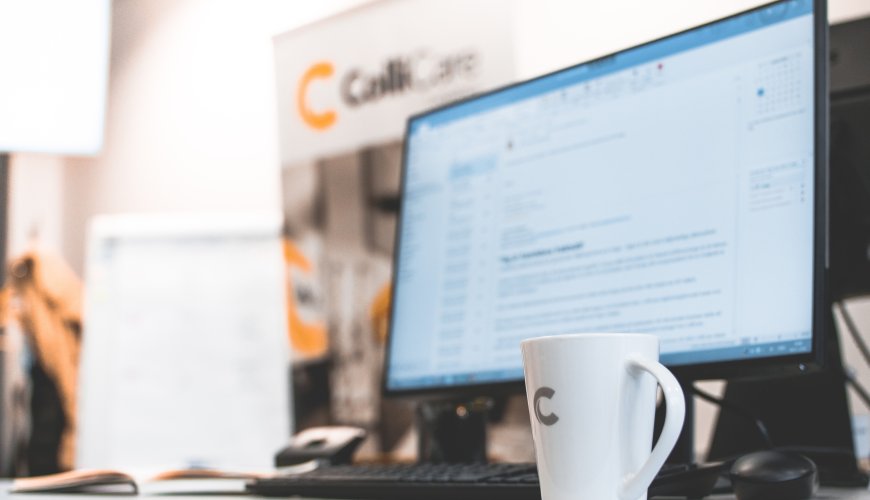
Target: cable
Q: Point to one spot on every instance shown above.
(853, 330)
(730, 406)
(859, 389)
(848, 378)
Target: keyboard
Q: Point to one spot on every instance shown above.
(456, 482)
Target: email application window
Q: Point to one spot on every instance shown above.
(672, 197)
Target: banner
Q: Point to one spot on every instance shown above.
(353, 79)
(346, 86)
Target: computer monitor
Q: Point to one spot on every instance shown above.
(675, 188)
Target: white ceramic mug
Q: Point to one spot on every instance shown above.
(592, 404)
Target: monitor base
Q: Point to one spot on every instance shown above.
(452, 431)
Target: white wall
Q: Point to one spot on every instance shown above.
(36, 194)
(192, 123)
(555, 33)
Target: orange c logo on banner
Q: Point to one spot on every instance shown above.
(316, 120)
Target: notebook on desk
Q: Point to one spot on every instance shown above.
(104, 481)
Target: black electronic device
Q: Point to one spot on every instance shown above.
(576, 202)
(457, 482)
(451, 432)
(774, 475)
(332, 445)
(503, 236)
(811, 413)
(850, 159)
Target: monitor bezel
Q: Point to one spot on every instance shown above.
(733, 369)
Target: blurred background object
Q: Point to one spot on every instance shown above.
(53, 94)
(185, 359)
(46, 301)
(342, 111)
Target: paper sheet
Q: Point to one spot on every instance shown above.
(186, 356)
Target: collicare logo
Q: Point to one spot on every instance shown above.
(419, 71)
(317, 120)
(545, 419)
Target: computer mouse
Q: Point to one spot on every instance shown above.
(774, 475)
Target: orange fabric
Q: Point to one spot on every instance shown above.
(48, 304)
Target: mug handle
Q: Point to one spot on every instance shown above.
(635, 485)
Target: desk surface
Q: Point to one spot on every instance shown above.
(824, 494)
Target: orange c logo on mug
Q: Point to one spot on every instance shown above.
(316, 120)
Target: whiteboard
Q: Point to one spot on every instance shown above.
(185, 354)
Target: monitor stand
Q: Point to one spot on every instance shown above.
(455, 431)
(452, 431)
(807, 413)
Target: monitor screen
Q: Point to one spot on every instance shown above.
(666, 189)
